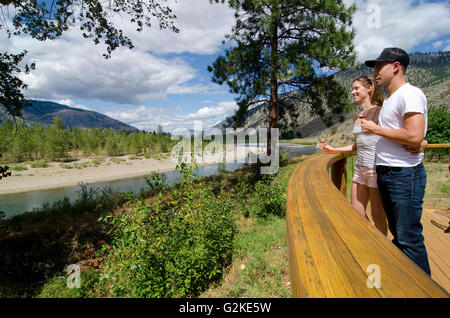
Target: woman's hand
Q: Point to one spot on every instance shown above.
(328, 149)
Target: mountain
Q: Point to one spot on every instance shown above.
(43, 112)
(428, 71)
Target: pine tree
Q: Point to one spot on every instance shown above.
(281, 47)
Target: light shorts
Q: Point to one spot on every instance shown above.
(365, 176)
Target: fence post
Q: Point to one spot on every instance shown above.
(339, 175)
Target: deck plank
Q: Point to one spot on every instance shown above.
(437, 243)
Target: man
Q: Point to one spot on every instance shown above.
(401, 175)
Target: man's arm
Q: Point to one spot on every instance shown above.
(416, 149)
(412, 134)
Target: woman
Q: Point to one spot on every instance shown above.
(364, 184)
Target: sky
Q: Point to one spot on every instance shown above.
(164, 80)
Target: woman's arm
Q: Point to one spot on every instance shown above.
(328, 149)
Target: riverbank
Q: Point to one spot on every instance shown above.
(90, 170)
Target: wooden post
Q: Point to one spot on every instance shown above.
(339, 175)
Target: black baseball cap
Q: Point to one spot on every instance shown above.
(390, 54)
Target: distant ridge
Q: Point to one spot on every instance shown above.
(43, 112)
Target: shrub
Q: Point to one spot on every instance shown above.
(268, 199)
(438, 131)
(117, 160)
(172, 248)
(56, 287)
(39, 164)
(18, 168)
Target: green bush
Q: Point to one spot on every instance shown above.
(438, 132)
(18, 168)
(65, 166)
(268, 199)
(172, 248)
(57, 287)
(39, 164)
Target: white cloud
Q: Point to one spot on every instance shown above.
(148, 118)
(202, 28)
(71, 103)
(144, 117)
(443, 45)
(404, 24)
(438, 44)
(73, 67)
(222, 109)
(195, 89)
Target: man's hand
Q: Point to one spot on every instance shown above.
(416, 149)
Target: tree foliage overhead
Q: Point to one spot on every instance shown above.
(45, 20)
(280, 50)
(48, 20)
(11, 86)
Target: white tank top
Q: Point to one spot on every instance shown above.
(365, 152)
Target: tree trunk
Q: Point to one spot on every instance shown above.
(273, 102)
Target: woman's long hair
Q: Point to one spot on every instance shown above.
(376, 95)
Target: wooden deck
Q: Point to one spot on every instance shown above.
(437, 242)
(331, 247)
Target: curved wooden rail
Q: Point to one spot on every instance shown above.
(434, 146)
(333, 250)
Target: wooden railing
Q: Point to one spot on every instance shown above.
(333, 250)
(434, 146)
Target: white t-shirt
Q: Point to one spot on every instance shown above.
(406, 99)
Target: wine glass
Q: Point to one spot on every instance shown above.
(363, 115)
(322, 139)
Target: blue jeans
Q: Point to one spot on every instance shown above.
(402, 191)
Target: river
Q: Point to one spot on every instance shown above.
(15, 204)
